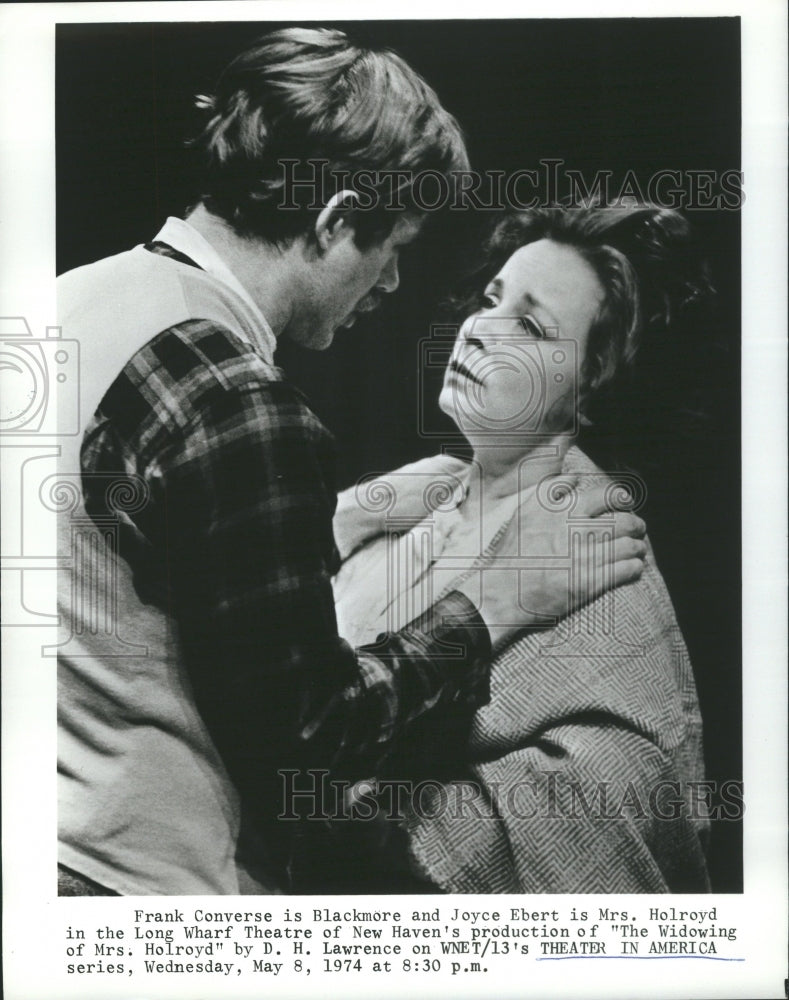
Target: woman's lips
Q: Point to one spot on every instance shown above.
(460, 369)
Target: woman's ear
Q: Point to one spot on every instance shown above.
(585, 393)
(332, 222)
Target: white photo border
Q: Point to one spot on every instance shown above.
(35, 919)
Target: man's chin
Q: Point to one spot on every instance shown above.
(326, 342)
(314, 340)
(363, 308)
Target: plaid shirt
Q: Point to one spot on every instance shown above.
(236, 544)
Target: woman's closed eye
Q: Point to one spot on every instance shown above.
(533, 327)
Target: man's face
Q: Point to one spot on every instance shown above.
(351, 281)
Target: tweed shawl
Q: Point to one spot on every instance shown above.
(581, 769)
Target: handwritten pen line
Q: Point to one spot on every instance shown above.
(637, 958)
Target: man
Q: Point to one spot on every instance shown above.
(203, 527)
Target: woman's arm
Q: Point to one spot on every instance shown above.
(590, 806)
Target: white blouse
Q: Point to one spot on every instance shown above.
(396, 577)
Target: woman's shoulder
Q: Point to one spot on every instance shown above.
(577, 461)
(620, 657)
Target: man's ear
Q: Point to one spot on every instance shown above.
(334, 218)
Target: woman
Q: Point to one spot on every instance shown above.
(578, 776)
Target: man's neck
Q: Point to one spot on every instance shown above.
(265, 270)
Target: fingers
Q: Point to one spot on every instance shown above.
(627, 571)
(601, 500)
(629, 524)
(592, 502)
(603, 552)
(627, 548)
(621, 527)
(604, 566)
(598, 582)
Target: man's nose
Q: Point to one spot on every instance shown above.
(389, 279)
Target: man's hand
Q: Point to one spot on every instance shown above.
(552, 561)
(403, 497)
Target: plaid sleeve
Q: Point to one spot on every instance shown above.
(242, 495)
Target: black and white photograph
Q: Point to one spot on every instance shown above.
(389, 452)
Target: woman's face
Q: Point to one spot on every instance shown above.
(515, 368)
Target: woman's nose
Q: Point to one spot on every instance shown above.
(465, 337)
(487, 331)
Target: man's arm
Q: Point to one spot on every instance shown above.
(239, 545)
(562, 574)
(239, 549)
(254, 555)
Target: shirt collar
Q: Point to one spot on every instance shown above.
(185, 238)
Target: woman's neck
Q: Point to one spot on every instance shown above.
(501, 471)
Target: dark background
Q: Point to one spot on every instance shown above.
(641, 94)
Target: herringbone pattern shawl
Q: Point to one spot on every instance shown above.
(581, 767)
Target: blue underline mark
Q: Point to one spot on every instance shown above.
(637, 958)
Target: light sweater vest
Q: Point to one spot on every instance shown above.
(145, 805)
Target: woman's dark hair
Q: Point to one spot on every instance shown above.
(331, 111)
(649, 265)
